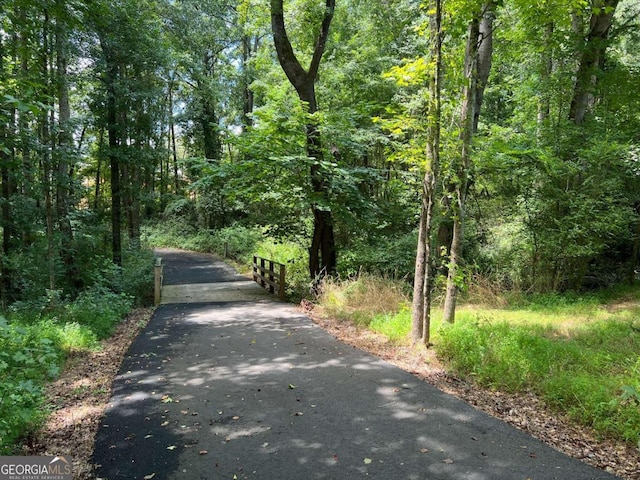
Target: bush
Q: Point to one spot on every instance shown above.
(98, 309)
(391, 257)
(26, 360)
(134, 278)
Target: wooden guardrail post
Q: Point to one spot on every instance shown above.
(281, 282)
(157, 269)
(266, 275)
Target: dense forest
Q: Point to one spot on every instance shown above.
(517, 125)
(443, 143)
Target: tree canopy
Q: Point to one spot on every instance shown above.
(326, 123)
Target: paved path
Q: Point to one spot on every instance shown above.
(235, 390)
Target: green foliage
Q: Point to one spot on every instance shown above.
(99, 310)
(589, 371)
(33, 344)
(296, 261)
(570, 216)
(43, 330)
(27, 359)
(241, 242)
(387, 256)
(395, 326)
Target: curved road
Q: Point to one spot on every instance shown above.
(256, 390)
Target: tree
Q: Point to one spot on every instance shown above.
(422, 282)
(592, 57)
(477, 65)
(322, 253)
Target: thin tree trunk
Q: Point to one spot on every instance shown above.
(113, 154)
(544, 104)
(468, 121)
(45, 130)
(172, 140)
(6, 157)
(248, 48)
(96, 201)
(421, 307)
(64, 151)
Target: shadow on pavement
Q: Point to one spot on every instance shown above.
(246, 390)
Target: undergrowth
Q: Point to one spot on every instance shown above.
(362, 299)
(37, 335)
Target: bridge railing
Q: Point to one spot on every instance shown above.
(157, 270)
(270, 275)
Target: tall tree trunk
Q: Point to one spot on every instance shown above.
(477, 67)
(211, 135)
(421, 307)
(322, 253)
(592, 58)
(47, 161)
(113, 132)
(96, 201)
(546, 67)
(133, 188)
(172, 142)
(64, 151)
(6, 157)
(249, 46)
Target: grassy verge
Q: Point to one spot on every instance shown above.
(584, 362)
(580, 354)
(37, 336)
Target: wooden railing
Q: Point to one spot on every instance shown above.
(157, 281)
(265, 274)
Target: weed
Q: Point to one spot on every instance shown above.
(361, 299)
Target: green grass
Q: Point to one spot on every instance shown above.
(581, 354)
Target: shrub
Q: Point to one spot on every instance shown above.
(391, 257)
(98, 309)
(26, 361)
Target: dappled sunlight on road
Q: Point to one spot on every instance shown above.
(258, 391)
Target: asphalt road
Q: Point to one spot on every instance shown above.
(256, 390)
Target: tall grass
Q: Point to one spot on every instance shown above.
(590, 370)
(362, 299)
(579, 353)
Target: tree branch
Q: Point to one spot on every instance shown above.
(322, 39)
